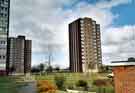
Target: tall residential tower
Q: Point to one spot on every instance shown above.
(4, 29)
(19, 55)
(84, 45)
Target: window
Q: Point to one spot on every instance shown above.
(82, 35)
(94, 33)
(82, 42)
(81, 21)
(4, 57)
(82, 49)
(82, 25)
(83, 57)
(94, 44)
(82, 28)
(93, 22)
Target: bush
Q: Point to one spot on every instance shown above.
(45, 87)
(59, 81)
(49, 69)
(81, 83)
(102, 82)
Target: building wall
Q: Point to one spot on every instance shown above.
(19, 51)
(4, 29)
(27, 56)
(84, 45)
(75, 47)
(124, 78)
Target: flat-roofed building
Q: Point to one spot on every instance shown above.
(84, 45)
(4, 30)
(19, 57)
(124, 76)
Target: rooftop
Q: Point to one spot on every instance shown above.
(129, 62)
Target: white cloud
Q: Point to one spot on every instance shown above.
(111, 3)
(119, 43)
(45, 21)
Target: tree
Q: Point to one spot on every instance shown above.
(35, 70)
(131, 59)
(60, 81)
(81, 83)
(41, 67)
(49, 69)
(57, 68)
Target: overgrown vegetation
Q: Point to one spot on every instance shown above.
(45, 86)
(81, 83)
(97, 82)
(60, 82)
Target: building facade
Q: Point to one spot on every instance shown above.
(4, 30)
(84, 45)
(19, 55)
(124, 76)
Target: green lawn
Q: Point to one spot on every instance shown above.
(7, 85)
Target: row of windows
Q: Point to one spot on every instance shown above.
(3, 13)
(3, 28)
(93, 22)
(3, 48)
(3, 19)
(4, 4)
(3, 34)
(2, 57)
(4, 1)
(2, 42)
(3, 25)
(3, 22)
(4, 7)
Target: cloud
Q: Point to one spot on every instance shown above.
(111, 3)
(118, 43)
(46, 23)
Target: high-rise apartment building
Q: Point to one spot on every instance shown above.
(84, 45)
(19, 55)
(4, 29)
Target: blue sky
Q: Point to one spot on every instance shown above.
(45, 22)
(126, 14)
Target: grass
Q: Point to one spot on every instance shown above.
(7, 85)
(10, 84)
(72, 78)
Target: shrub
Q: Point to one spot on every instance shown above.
(81, 83)
(45, 86)
(59, 81)
(102, 82)
(71, 86)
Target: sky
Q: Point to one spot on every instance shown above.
(45, 22)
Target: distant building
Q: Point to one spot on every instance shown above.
(4, 30)
(84, 45)
(19, 55)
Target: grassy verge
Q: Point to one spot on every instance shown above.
(72, 78)
(7, 85)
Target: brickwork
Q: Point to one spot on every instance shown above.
(124, 78)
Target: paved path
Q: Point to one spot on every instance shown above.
(30, 88)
